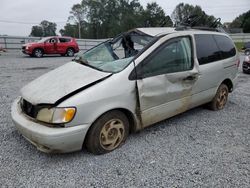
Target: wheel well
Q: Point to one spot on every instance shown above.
(131, 119)
(229, 84)
(37, 48)
(128, 114)
(70, 48)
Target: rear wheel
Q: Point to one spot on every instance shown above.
(107, 133)
(37, 52)
(246, 72)
(220, 99)
(70, 52)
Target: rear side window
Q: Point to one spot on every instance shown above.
(226, 46)
(207, 50)
(64, 40)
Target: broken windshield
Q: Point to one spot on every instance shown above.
(114, 55)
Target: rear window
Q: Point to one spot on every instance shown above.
(226, 46)
(64, 40)
(207, 50)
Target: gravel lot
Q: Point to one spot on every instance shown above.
(199, 148)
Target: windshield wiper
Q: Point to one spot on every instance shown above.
(80, 60)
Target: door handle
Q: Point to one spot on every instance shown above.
(190, 78)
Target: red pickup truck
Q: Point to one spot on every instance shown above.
(51, 45)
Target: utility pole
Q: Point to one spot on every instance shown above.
(79, 29)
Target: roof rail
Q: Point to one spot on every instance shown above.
(192, 23)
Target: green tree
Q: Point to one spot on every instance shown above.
(49, 28)
(78, 14)
(107, 18)
(36, 31)
(246, 25)
(154, 16)
(70, 30)
(183, 11)
(242, 21)
(45, 29)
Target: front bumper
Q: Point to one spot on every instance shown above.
(26, 51)
(48, 139)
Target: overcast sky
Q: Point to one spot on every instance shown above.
(34, 11)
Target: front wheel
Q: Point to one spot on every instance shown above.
(107, 133)
(220, 99)
(38, 52)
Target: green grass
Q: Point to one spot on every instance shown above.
(239, 45)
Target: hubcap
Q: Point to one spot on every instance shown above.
(222, 98)
(38, 53)
(70, 52)
(112, 134)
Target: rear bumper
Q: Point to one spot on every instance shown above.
(48, 139)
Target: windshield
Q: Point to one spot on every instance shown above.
(114, 55)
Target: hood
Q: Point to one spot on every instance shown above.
(31, 43)
(55, 85)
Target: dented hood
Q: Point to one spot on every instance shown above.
(55, 85)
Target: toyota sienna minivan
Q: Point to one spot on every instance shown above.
(123, 85)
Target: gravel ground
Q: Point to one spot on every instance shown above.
(199, 148)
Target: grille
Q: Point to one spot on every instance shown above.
(23, 48)
(28, 108)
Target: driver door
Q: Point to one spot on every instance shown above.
(50, 46)
(165, 80)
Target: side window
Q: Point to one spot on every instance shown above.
(63, 40)
(207, 50)
(226, 46)
(174, 56)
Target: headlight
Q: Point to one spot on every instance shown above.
(56, 115)
(27, 47)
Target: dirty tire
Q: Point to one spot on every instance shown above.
(70, 52)
(37, 52)
(220, 99)
(107, 133)
(246, 72)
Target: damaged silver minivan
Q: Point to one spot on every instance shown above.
(123, 85)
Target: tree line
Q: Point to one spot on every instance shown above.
(107, 18)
